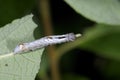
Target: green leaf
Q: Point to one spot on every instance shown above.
(104, 40)
(20, 66)
(101, 11)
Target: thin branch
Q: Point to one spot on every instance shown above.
(47, 23)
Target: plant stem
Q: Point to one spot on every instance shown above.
(47, 23)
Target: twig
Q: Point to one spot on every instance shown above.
(46, 17)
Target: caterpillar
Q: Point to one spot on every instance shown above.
(45, 41)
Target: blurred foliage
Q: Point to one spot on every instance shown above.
(112, 70)
(98, 41)
(104, 40)
(101, 11)
(12, 9)
(75, 77)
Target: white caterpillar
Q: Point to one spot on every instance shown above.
(45, 41)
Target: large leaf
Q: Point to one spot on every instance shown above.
(23, 66)
(101, 11)
(104, 40)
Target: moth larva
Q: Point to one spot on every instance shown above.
(45, 41)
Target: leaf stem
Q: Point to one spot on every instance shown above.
(6, 55)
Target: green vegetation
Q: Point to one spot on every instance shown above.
(98, 48)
